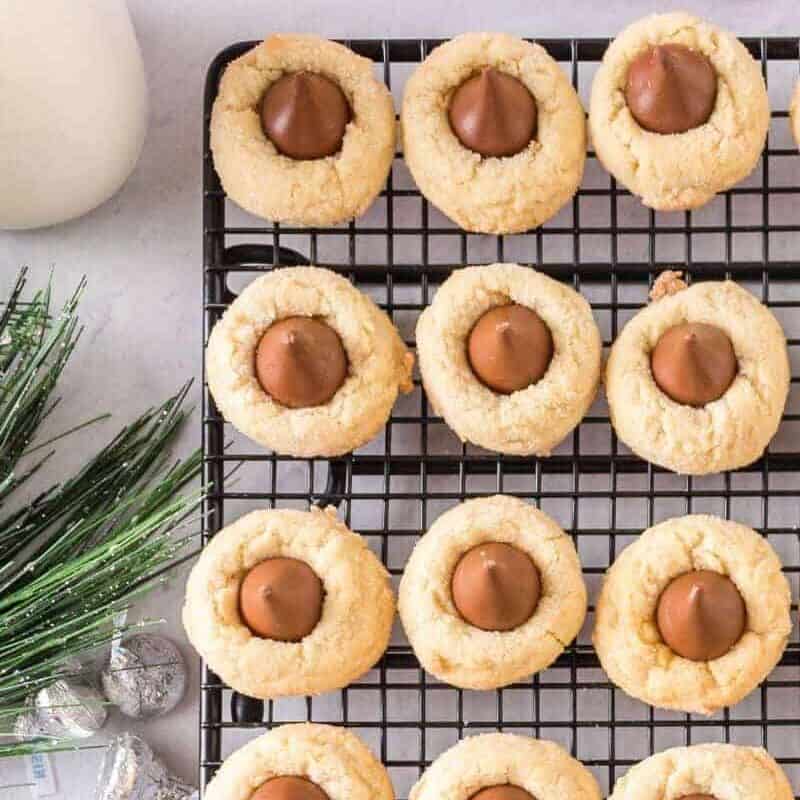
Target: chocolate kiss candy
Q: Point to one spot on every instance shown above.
(694, 363)
(493, 113)
(495, 587)
(504, 791)
(510, 348)
(68, 708)
(289, 787)
(281, 598)
(300, 362)
(305, 115)
(131, 770)
(701, 615)
(145, 675)
(671, 89)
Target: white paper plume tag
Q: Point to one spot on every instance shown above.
(41, 774)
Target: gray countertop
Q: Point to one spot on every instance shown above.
(142, 250)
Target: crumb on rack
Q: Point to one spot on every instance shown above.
(667, 283)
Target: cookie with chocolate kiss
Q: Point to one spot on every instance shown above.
(306, 364)
(492, 760)
(673, 631)
(491, 593)
(694, 771)
(672, 93)
(302, 131)
(494, 133)
(285, 762)
(305, 115)
(286, 603)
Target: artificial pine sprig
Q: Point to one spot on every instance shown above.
(76, 558)
(33, 353)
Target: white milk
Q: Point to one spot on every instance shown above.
(73, 107)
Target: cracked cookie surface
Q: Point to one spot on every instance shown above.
(320, 191)
(626, 634)
(357, 611)
(335, 759)
(379, 365)
(727, 433)
(488, 194)
(723, 771)
(530, 421)
(461, 654)
(685, 170)
(543, 769)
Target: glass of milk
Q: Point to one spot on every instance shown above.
(73, 107)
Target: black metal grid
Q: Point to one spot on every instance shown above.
(606, 245)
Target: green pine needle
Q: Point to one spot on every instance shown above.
(79, 555)
(34, 350)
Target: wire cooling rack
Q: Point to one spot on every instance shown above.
(610, 248)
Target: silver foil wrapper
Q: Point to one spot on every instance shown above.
(145, 676)
(67, 709)
(130, 771)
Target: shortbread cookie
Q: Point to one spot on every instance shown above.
(722, 434)
(657, 69)
(453, 647)
(794, 114)
(227, 627)
(528, 421)
(632, 618)
(299, 179)
(507, 178)
(543, 770)
(720, 771)
(332, 759)
(377, 364)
